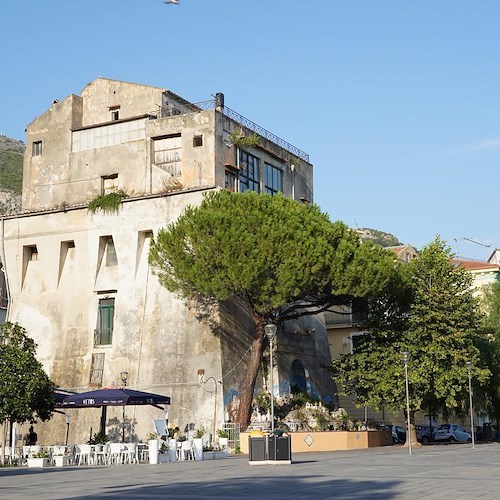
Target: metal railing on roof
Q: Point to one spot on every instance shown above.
(230, 113)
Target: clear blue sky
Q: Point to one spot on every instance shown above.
(397, 103)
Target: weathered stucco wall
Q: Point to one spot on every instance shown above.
(155, 338)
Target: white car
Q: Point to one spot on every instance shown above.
(452, 433)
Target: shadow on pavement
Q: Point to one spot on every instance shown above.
(244, 487)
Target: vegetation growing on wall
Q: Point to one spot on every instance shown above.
(107, 203)
(239, 139)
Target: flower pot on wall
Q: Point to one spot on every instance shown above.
(163, 458)
(224, 443)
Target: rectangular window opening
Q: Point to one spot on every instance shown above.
(115, 115)
(36, 148)
(248, 175)
(96, 370)
(103, 334)
(273, 180)
(109, 183)
(230, 178)
(197, 141)
(111, 257)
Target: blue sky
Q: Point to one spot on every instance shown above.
(397, 103)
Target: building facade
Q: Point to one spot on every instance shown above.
(81, 284)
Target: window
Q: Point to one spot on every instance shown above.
(249, 172)
(115, 113)
(230, 177)
(109, 183)
(105, 318)
(356, 338)
(111, 258)
(37, 148)
(273, 180)
(197, 141)
(168, 154)
(96, 370)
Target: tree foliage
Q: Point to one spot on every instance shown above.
(488, 397)
(429, 311)
(25, 389)
(282, 258)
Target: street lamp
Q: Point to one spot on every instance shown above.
(468, 365)
(270, 331)
(124, 376)
(408, 422)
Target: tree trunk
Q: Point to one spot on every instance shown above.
(248, 387)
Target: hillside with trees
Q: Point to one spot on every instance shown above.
(11, 174)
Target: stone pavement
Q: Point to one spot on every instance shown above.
(432, 472)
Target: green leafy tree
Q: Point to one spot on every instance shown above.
(281, 258)
(488, 396)
(25, 389)
(427, 310)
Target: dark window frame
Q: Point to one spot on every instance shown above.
(273, 179)
(249, 172)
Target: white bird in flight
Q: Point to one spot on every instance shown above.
(175, 2)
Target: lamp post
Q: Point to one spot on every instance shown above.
(270, 331)
(468, 365)
(124, 376)
(408, 422)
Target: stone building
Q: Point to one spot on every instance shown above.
(80, 281)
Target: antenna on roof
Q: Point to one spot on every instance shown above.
(478, 243)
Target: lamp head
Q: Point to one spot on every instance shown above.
(124, 376)
(270, 331)
(468, 365)
(404, 357)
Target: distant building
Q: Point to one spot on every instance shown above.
(81, 283)
(483, 273)
(404, 253)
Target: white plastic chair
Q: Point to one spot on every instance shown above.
(101, 452)
(130, 454)
(187, 450)
(85, 454)
(115, 453)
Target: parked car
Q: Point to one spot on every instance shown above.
(451, 433)
(424, 433)
(398, 434)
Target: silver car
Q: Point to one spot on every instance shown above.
(452, 433)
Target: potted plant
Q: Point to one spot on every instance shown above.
(213, 452)
(223, 439)
(40, 459)
(163, 453)
(98, 440)
(153, 447)
(198, 443)
(59, 456)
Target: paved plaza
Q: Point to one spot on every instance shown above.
(431, 472)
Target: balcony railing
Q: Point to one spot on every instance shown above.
(230, 113)
(103, 336)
